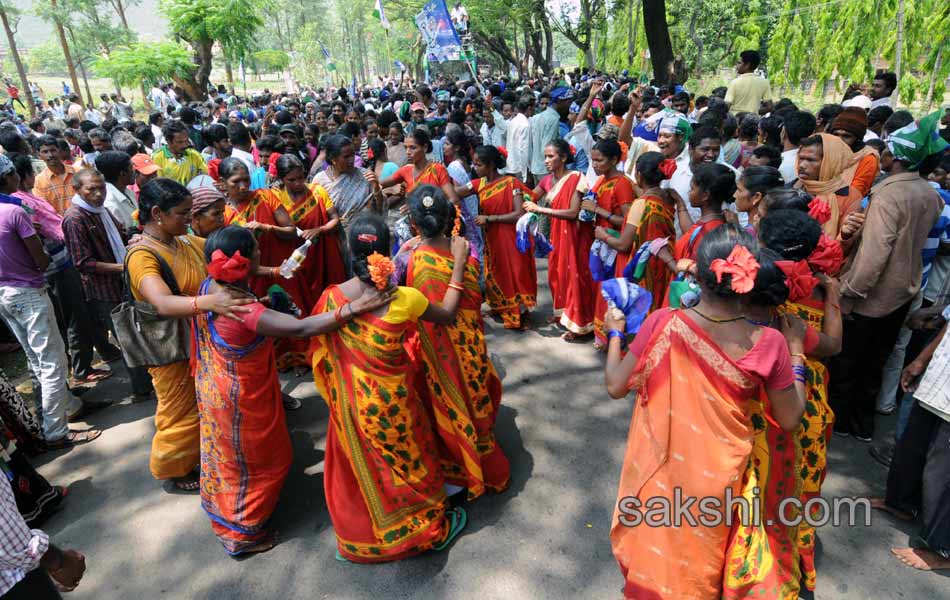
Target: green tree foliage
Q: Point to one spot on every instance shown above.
(230, 23)
(146, 63)
(269, 61)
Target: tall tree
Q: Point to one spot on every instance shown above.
(24, 83)
(58, 19)
(202, 23)
(658, 38)
(580, 27)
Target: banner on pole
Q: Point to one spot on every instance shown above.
(438, 33)
(326, 57)
(380, 13)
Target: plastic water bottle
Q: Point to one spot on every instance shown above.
(585, 215)
(296, 259)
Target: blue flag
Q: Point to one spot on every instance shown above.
(438, 33)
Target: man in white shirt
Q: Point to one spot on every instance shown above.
(460, 18)
(518, 140)
(882, 88)
(159, 99)
(493, 133)
(241, 145)
(797, 126)
(116, 169)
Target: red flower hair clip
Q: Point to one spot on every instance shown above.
(228, 269)
(827, 257)
(741, 265)
(798, 278)
(819, 210)
(272, 164)
(213, 165)
(503, 151)
(668, 167)
(369, 154)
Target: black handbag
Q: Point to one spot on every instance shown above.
(148, 339)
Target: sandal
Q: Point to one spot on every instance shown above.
(458, 519)
(575, 338)
(269, 541)
(189, 484)
(73, 438)
(93, 376)
(291, 403)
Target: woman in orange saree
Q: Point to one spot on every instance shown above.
(511, 279)
(614, 192)
(717, 434)
(464, 391)
(572, 289)
(259, 212)
(383, 483)
(310, 210)
(650, 217)
(245, 449)
(795, 236)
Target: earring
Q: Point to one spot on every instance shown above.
(159, 221)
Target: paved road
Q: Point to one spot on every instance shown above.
(546, 537)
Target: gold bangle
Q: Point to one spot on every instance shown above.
(800, 355)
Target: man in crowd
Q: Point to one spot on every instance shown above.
(54, 184)
(544, 128)
(796, 126)
(518, 141)
(882, 88)
(177, 159)
(748, 91)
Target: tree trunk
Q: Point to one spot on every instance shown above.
(658, 39)
(635, 30)
(91, 101)
(204, 55)
(898, 54)
(24, 83)
(631, 40)
(70, 66)
(548, 43)
(938, 62)
(697, 41)
(229, 74)
(117, 5)
(145, 102)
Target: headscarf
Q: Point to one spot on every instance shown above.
(674, 122)
(6, 165)
(202, 198)
(838, 164)
(913, 143)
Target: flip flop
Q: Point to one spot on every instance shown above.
(93, 376)
(341, 558)
(458, 519)
(291, 403)
(73, 438)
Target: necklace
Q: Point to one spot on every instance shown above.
(711, 216)
(757, 322)
(717, 319)
(170, 244)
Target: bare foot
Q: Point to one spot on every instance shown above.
(880, 504)
(921, 558)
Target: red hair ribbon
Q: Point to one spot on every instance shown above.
(573, 149)
(798, 278)
(827, 257)
(668, 167)
(272, 164)
(380, 269)
(228, 269)
(369, 238)
(623, 151)
(503, 151)
(369, 154)
(819, 210)
(213, 168)
(741, 265)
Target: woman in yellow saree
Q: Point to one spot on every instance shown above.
(383, 482)
(706, 436)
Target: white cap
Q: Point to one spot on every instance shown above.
(861, 101)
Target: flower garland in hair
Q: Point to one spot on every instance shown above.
(380, 269)
(827, 257)
(457, 227)
(228, 269)
(741, 265)
(798, 278)
(819, 210)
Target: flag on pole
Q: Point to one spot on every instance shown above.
(399, 65)
(381, 15)
(326, 56)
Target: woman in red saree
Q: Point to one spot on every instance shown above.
(614, 192)
(262, 214)
(511, 279)
(572, 289)
(245, 449)
(464, 391)
(650, 217)
(383, 482)
(419, 170)
(716, 399)
(310, 210)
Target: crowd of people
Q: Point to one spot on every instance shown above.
(794, 264)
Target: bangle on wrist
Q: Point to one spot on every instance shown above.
(194, 305)
(800, 355)
(456, 286)
(615, 333)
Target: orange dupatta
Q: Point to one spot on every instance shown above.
(838, 166)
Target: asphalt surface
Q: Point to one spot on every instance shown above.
(546, 537)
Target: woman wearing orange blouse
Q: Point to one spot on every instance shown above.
(614, 192)
(419, 170)
(511, 279)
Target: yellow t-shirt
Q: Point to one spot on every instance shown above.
(408, 305)
(746, 92)
(190, 165)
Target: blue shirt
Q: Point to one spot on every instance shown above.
(940, 232)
